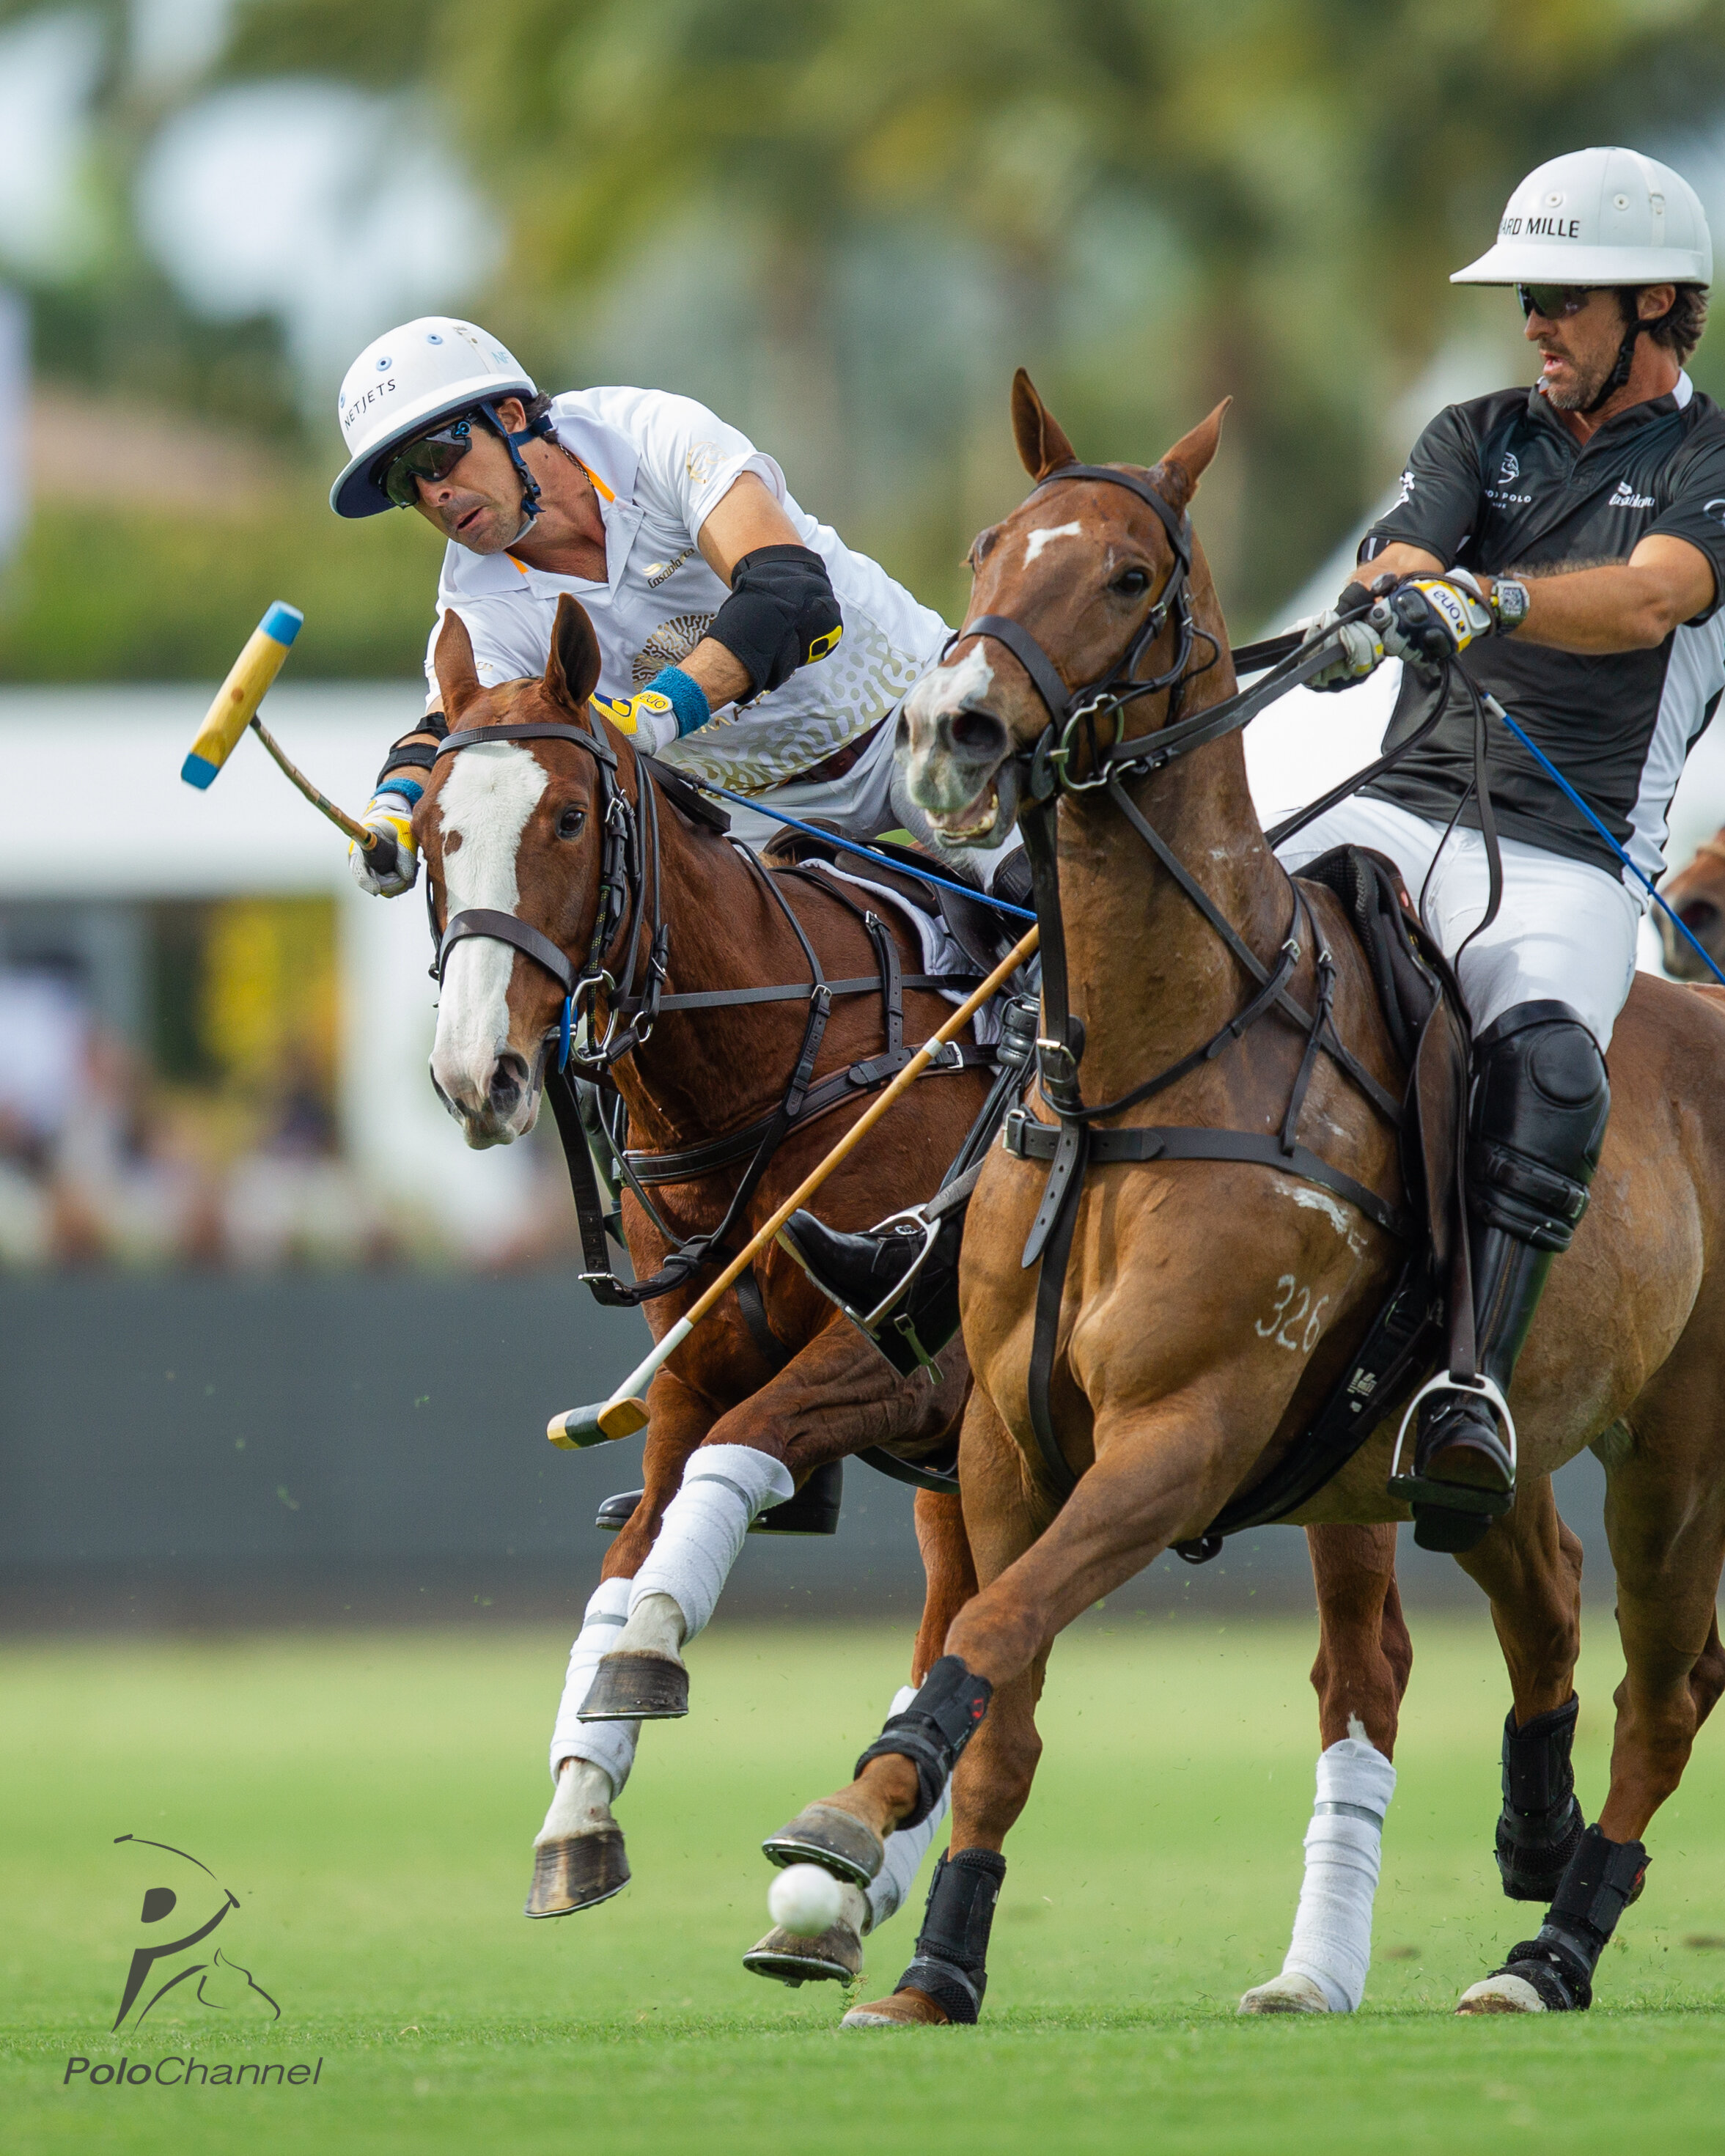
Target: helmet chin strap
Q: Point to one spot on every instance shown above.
(1625, 360)
(539, 429)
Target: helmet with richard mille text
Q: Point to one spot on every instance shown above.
(402, 384)
(1598, 217)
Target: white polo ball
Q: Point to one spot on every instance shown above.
(804, 1900)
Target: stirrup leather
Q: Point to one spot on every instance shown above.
(1414, 1488)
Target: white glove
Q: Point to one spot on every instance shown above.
(1358, 646)
(394, 867)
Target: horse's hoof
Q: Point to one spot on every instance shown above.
(1287, 1993)
(578, 1872)
(1502, 1994)
(836, 1955)
(905, 2010)
(636, 1685)
(838, 1841)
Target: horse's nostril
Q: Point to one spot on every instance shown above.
(509, 1080)
(977, 730)
(1700, 917)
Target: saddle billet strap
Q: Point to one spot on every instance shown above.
(1027, 1139)
(484, 920)
(800, 991)
(1395, 1346)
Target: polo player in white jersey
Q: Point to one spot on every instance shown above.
(742, 641)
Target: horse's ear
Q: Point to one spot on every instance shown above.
(1184, 465)
(457, 677)
(1042, 444)
(572, 672)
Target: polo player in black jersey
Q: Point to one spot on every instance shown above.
(1564, 545)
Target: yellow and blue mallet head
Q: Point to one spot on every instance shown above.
(237, 700)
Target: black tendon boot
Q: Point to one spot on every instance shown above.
(1541, 1823)
(1540, 1104)
(898, 1283)
(953, 1946)
(1599, 1883)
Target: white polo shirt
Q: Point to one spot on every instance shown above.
(660, 465)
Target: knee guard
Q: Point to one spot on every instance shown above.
(933, 1730)
(1600, 1880)
(952, 1954)
(1541, 1101)
(1541, 1823)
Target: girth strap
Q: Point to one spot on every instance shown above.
(1031, 1140)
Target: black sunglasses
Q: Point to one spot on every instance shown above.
(1554, 302)
(431, 456)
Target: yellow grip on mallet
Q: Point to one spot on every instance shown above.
(238, 699)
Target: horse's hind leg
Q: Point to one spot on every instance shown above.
(1364, 1656)
(1665, 1517)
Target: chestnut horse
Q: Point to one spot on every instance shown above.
(1176, 1381)
(519, 827)
(1696, 895)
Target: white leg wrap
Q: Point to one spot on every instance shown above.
(905, 1849)
(724, 1488)
(610, 1745)
(1333, 1930)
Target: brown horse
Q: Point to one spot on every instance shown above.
(1179, 1379)
(519, 826)
(1696, 895)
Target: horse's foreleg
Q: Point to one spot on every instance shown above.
(1364, 1656)
(578, 1856)
(948, 1972)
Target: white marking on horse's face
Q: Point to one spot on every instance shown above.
(1046, 536)
(944, 689)
(486, 800)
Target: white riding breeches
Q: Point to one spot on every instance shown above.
(1565, 931)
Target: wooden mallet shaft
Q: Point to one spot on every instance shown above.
(623, 1414)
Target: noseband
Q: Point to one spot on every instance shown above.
(622, 878)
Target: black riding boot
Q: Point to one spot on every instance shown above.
(1540, 1104)
(898, 1283)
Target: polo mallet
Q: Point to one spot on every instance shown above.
(623, 1414)
(235, 708)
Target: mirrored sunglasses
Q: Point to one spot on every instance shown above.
(1553, 302)
(432, 456)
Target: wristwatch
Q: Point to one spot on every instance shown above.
(1509, 603)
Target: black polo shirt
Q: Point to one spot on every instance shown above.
(1501, 486)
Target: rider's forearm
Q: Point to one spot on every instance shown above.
(412, 770)
(722, 677)
(1625, 606)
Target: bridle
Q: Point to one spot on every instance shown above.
(629, 839)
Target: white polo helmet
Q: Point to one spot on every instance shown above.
(402, 384)
(1598, 217)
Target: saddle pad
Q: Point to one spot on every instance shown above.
(942, 953)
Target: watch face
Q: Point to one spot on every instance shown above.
(1511, 602)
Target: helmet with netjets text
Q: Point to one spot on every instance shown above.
(403, 384)
(1598, 217)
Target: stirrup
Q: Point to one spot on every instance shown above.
(1422, 1490)
(900, 1345)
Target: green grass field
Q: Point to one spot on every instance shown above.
(370, 1798)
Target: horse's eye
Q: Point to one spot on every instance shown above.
(1132, 583)
(571, 823)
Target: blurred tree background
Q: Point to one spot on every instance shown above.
(840, 221)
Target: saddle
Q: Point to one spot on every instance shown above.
(977, 929)
(1427, 1023)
